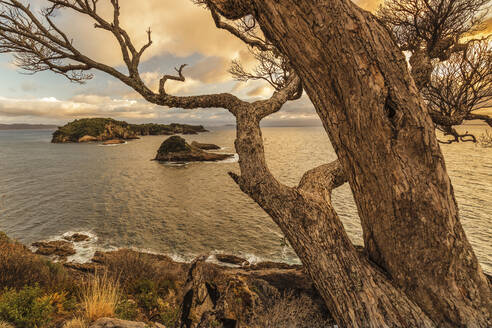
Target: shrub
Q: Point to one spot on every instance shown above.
(76, 323)
(27, 308)
(290, 311)
(133, 268)
(146, 294)
(100, 296)
(168, 314)
(4, 238)
(19, 267)
(127, 310)
(485, 140)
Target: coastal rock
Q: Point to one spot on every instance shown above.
(76, 237)
(117, 323)
(60, 248)
(176, 149)
(114, 142)
(87, 138)
(234, 296)
(81, 267)
(204, 146)
(231, 259)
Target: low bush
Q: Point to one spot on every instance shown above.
(485, 140)
(127, 310)
(76, 323)
(20, 267)
(134, 270)
(290, 311)
(169, 314)
(26, 308)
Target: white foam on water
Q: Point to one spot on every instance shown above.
(84, 250)
(233, 159)
(175, 164)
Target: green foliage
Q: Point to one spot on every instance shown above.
(95, 127)
(174, 144)
(169, 314)
(146, 294)
(152, 129)
(27, 308)
(4, 238)
(86, 126)
(127, 310)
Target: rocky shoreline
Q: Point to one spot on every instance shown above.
(228, 293)
(223, 291)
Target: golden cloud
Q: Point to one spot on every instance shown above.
(178, 27)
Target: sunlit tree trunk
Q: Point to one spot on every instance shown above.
(384, 137)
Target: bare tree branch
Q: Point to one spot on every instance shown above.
(461, 86)
(40, 46)
(450, 68)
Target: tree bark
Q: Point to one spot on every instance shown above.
(384, 137)
(355, 291)
(380, 129)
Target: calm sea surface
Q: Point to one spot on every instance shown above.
(123, 199)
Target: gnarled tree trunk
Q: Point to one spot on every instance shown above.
(384, 137)
(355, 291)
(379, 126)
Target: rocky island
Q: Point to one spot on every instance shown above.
(176, 149)
(105, 129)
(204, 146)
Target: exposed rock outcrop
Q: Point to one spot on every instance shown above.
(117, 323)
(87, 138)
(233, 297)
(176, 149)
(60, 248)
(77, 237)
(114, 142)
(231, 259)
(204, 146)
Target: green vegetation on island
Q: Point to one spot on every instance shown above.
(103, 129)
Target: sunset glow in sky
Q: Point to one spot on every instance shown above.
(181, 32)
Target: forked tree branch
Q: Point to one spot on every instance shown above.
(323, 179)
(180, 77)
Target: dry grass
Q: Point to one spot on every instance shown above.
(290, 311)
(5, 325)
(76, 323)
(485, 140)
(129, 267)
(100, 296)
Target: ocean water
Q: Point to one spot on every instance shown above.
(124, 199)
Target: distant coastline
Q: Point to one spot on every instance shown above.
(21, 126)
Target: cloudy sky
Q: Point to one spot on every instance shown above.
(182, 33)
